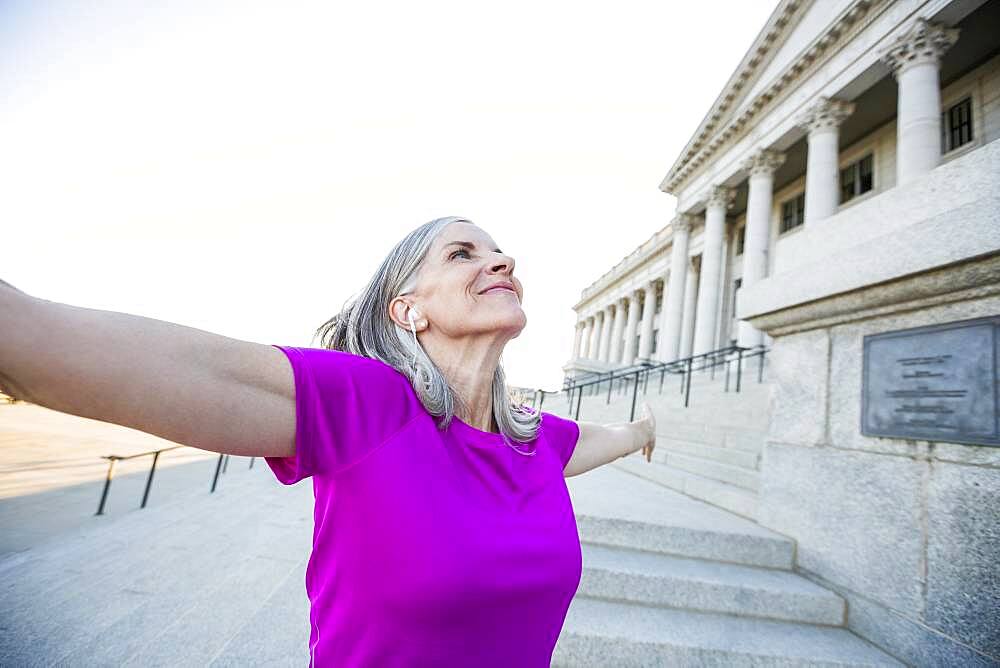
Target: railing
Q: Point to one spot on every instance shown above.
(222, 465)
(685, 367)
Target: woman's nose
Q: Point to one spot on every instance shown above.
(505, 263)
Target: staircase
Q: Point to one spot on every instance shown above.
(710, 450)
(671, 581)
(676, 571)
(216, 579)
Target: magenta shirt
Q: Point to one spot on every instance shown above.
(430, 548)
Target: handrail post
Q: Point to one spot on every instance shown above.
(541, 400)
(728, 364)
(579, 398)
(611, 382)
(215, 479)
(149, 480)
(635, 393)
(251, 461)
(107, 485)
(739, 368)
(687, 392)
(760, 365)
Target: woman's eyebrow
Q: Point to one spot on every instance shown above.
(468, 244)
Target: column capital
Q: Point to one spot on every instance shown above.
(924, 42)
(682, 222)
(824, 114)
(764, 161)
(721, 196)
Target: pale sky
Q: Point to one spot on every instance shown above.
(243, 168)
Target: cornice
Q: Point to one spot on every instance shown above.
(709, 138)
(648, 250)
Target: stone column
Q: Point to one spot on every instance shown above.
(606, 334)
(823, 120)
(719, 199)
(595, 336)
(646, 330)
(578, 337)
(666, 280)
(915, 59)
(628, 356)
(690, 306)
(757, 238)
(673, 300)
(617, 330)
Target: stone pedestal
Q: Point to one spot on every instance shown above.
(906, 530)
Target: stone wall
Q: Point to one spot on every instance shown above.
(908, 531)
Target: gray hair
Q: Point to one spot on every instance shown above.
(363, 327)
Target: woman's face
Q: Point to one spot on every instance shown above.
(453, 294)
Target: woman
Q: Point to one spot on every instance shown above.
(444, 533)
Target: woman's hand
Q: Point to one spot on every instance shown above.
(647, 423)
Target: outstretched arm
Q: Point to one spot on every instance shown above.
(180, 383)
(602, 444)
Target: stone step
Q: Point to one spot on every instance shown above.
(114, 543)
(749, 438)
(83, 564)
(731, 456)
(733, 475)
(708, 404)
(746, 440)
(706, 586)
(277, 634)
(603, 633)
(92, 592)
(722, 495)
(616, 508)
(215, 615)
(108, 610)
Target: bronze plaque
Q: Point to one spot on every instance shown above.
(934, 383)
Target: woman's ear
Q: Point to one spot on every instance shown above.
(397, 312)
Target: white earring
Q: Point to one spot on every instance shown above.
(413, 328)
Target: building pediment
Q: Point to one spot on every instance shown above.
(798, 35)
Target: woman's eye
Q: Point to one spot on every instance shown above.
(459, 251)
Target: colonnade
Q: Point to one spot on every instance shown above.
(689, 317)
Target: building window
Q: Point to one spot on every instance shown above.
(736, 288)
(856, 179)
(956, 125)
(740, 240)
(793, 213)
(652, 348)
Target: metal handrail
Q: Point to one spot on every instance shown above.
(685, 366)
(222, 464)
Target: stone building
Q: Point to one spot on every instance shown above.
(845, 186)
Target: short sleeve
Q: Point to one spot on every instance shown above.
(562, 434)
(345, 406)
